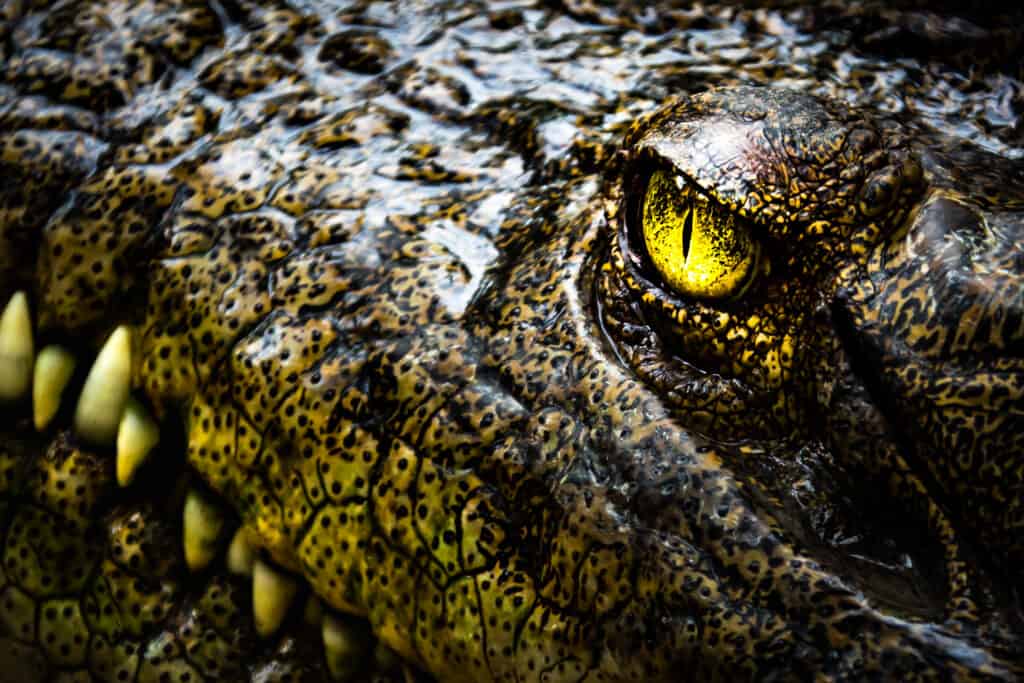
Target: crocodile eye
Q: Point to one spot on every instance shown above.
(698, 247)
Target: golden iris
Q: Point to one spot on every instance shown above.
(698, 247)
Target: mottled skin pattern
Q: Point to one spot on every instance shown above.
(383, 264)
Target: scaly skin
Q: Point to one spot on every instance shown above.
(392, 310)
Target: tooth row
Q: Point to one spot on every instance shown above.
(104, 415)
(346, 641)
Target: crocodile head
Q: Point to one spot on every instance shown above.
(730, 388)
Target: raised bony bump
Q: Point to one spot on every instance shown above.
(53, 370)
(137, 435)
(272, 595)
(105, 394)
(16, 348)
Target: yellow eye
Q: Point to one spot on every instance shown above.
(699, 248)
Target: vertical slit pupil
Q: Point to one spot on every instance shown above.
(687, 232)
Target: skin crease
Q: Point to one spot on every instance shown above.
(391, 304)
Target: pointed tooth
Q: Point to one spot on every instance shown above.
(106, 389)
(203, 523)
(345, 646)
(16, 348)
(137, 434)
(272, 595)
(53, 371)
(240, 554)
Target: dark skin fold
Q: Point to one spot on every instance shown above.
(397, 294)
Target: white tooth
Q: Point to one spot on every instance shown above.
(106, 389)
(15, 348)
(54, 367)
(203, 523)
(272, 595)
(240, 554)
(345, 646)
(137, 434)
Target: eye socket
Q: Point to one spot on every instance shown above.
(698, 247)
